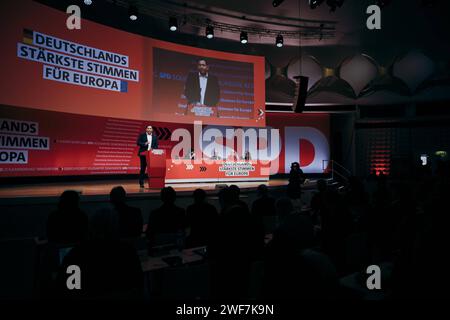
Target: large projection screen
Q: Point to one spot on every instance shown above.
(101, 71)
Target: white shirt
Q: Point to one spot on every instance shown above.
(149, 139)
(203, 83)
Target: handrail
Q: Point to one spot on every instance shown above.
(334, 166)
(341, 166)
(341, 175)
(323, 161)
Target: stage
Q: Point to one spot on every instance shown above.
(103, 187)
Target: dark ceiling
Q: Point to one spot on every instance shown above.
(404, 22)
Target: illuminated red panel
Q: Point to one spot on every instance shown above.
(306, 152)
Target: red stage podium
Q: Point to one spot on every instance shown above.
(156, 168)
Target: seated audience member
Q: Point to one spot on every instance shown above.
(236, 195)
(381, 197)
(284, 208)
(68, 224)
(130, 218)
(201, 217)
(229, 196)
(167, 219)
(319, 197)
(294, 229)
(336, 225)
(422, 256)
(226, 198)
(358, 200)
(264, 205)
(237, 241)
(109, 268)
(292, 269)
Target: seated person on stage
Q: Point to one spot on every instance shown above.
(233, 157)
(191, 155)
(202, 91)
(215, 156)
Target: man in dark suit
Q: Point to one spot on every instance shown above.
(202, 88)
(146, 141)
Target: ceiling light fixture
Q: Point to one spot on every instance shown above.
(133, 13)
(279, 41)
(244, 37)
(210, 32)
(173, 24)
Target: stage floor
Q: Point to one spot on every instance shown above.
(96, 188)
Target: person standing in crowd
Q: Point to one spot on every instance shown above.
(296, 179)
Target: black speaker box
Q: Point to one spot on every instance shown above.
(301, 90)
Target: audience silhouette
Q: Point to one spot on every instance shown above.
(130, 218)
(167, 222)
(201, 218)
(68, 224)
(264, 205)
(110, 269)
(398, 225)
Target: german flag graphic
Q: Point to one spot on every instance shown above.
(27, 36)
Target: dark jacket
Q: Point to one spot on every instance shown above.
(67, 226)
(192, 90)
(166, 219)
(201, 217)
(130, 221)
(110, 269)
(142, 139)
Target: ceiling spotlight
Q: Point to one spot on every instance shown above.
(276, 3)
(333, 4)
(315, 3)
(210, 32)
(244, 37)
(133, 13)
(173, 24)
(279, 41)
(88, 2)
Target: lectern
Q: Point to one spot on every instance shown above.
(156, 167)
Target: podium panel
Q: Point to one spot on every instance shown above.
(156, 168)
(188, 171)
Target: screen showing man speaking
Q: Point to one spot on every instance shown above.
(190, 87)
